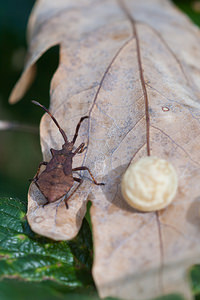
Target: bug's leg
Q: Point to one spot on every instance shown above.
(87, 169)
(52, 151)
(80, 182)
(80, 149)
(43, 163)
(45, 204)
(77, 129)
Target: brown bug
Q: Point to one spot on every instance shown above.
(57, 179)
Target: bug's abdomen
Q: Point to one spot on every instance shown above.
(54, 184)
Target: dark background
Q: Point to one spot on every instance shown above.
(20, 151)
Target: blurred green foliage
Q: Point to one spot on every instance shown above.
(191, 8)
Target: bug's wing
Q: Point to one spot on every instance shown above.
(54, 184)
(67, 166)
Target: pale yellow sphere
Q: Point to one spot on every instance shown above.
(149, 184)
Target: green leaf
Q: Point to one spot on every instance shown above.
(25, 255)
(195, 279)
(45, 290)
(171, 297)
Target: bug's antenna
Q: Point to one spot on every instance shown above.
(60, 129)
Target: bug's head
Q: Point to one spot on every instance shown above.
(68, 147)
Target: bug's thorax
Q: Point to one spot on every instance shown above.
(65, 151)
(61, 160)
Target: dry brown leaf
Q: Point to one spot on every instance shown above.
(133, 66)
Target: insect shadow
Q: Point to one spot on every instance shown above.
(113, 189)
(193, 213)
(57, 179)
